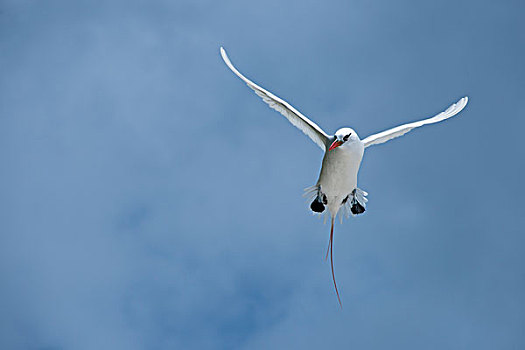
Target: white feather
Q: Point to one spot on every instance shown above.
(298, 120)
(403, 129)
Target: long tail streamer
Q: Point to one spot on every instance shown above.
(328, 249)
(331, 248)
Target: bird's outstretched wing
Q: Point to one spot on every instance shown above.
(403, 129)
(294, 116)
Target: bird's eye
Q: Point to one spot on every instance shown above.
(346, 137)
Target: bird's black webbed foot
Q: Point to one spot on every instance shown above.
(317, 205)
(356, 207)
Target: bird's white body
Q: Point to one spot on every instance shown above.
(338, 177)
(337, 184)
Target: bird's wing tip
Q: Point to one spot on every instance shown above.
(226, 60)
(462, 103)
(456, 107)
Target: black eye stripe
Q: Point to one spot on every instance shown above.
(346, 137)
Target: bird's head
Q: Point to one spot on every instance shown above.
(343, 136)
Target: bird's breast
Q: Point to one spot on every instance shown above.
(339, 171)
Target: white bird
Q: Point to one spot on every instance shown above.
(336, 187)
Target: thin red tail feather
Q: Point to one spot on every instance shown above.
(328, 249)
(331, 248)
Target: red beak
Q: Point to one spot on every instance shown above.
(335, 144)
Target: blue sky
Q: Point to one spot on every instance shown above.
(149, 200)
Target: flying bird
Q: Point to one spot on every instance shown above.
(336, 189)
